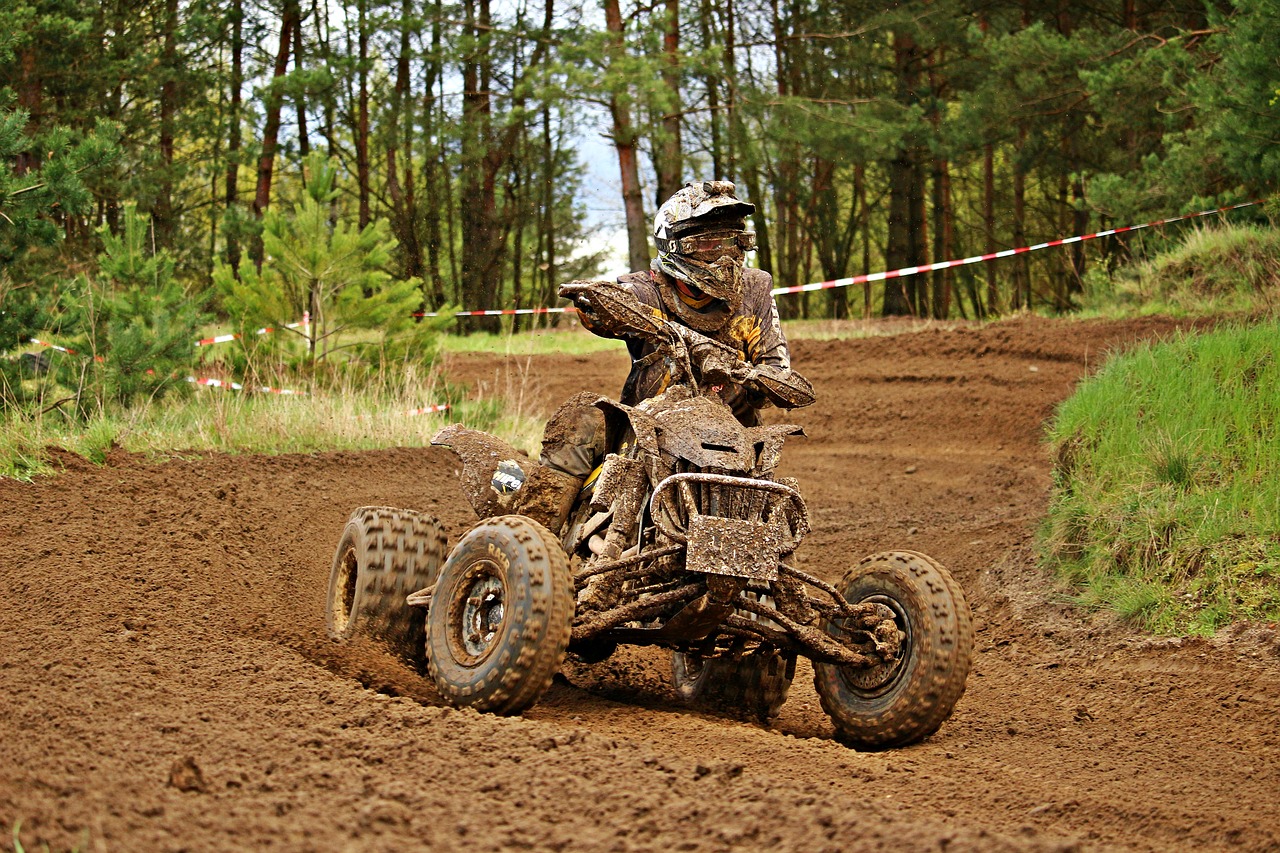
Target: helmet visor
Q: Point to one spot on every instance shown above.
(744, 240)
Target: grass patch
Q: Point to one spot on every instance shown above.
(573, 340)
(1166, 499)
(376, 411)
(1214, 270)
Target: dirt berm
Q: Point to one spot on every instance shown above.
(166, 683)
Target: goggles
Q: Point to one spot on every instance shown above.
(744, 240)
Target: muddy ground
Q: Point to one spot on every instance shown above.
(166, 683)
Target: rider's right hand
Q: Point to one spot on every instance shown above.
(579, 293)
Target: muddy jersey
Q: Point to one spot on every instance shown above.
(753, 330)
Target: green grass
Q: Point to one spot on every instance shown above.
(1229, 269)
(573, 341)
(372, 413)
(1166, 496)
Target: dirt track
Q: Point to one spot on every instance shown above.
(165, 681)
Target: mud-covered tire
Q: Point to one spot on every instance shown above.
(907, 702)
(501, 616)
(754, 686)
(384, 554)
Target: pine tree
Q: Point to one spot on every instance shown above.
(332, 272)
(140, 324)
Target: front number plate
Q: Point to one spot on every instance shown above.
(730, 546)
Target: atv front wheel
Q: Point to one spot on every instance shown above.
(501, 616)
(755, 685)
(908, 698)
(384, 555)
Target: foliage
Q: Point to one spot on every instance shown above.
(869, 135)
(1165, 503)
(138, 324)
(329, 271)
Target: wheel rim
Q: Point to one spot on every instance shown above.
(477, 613)
(344, 590)
(880, 679)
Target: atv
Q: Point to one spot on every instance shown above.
(685, 539)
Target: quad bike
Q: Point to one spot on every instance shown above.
(682, 539)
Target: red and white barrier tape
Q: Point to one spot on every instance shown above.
(265, 389)
(941, 265)
(497, 312)
(39, 342)
(425, 410)
(236, 386)
(222, 339)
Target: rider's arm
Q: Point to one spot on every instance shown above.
(611, 325)
(770, 376)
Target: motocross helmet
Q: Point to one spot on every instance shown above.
(701, 236)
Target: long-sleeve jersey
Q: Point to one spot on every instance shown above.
(753, 330)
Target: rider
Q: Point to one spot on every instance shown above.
(699, 281)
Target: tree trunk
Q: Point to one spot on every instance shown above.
(906, 233)
(624, 141)
(670, 166)
(548, 228)
(403, 210)
(30, 98)
(731, 81)
(431, 167)
(942, 238)
(300, 101)
(712, 83)
(864, 227)
(232, 192)
(942, 217)
(1021, 270)
(477, 183)
(362, 112)
(274, 99)
(162, 214)
(989, 226)
(786, 259)
(1080, 224)
(827, 233)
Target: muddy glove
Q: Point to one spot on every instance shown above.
(721, 364)
(611, 310)
(784, 388)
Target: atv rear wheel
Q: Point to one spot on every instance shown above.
(756, 685)
(384, 555)
(501, 616)
(909, 698)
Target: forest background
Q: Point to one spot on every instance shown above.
(172, 162)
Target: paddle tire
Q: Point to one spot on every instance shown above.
(755, 685)
(909, 698)
(384, 555)
(501, 616)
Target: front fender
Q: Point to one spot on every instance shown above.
(481, 454)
